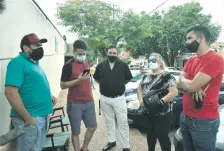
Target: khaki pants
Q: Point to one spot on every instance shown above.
(112, 107)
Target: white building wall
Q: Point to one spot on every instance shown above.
(22, 17)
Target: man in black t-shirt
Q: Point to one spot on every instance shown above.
(112, 75)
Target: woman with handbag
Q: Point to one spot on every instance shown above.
(155, 93)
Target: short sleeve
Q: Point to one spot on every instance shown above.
(128, 75)
(142, 79)
(15, 73)
(213, 66)
(96, 75)
(66, 72)
(186, 66)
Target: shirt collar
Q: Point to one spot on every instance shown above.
(24, 55)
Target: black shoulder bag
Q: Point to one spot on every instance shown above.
(152, 98)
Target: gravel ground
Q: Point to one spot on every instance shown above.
(137, 140)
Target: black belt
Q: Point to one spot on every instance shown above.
(113, 96)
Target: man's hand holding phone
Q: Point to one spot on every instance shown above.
(198, 98)
(84, 75)
(199, 95)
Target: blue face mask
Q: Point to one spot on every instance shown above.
(81, 59)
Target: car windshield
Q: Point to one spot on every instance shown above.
(134, 67)
(137, 77)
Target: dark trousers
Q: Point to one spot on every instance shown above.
(158, 127)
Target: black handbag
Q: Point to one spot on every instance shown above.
(152, 99)
(152, 102)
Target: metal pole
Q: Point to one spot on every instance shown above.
(99, 108)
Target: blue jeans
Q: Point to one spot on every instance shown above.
(199, 134)
(34, 135)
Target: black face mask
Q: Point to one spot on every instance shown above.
(193, 47)
(112, 58)
(37, 54)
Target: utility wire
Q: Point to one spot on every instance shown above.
(158, 6)
(150, 13)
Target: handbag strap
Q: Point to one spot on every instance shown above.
(155, 80)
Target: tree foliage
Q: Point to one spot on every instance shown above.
(165, 32)
(96, 21)
(176, 22)
(102, 25)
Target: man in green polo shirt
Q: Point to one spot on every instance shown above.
(28, 92)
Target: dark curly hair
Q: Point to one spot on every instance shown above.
(79, 44)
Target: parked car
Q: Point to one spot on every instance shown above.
(175, 73)
(173, 68)
(178, 140)
(221, 97)
(147, 70)
(135, 69)
(131, 86)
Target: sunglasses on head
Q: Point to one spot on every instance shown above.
(153, 60)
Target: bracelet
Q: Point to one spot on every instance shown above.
(162, 102)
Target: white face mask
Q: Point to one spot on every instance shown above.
(153, 66)
(81, 58)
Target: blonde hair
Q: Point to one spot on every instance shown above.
(160, 58)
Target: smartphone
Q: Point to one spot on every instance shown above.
(86, 71)
(198, 104)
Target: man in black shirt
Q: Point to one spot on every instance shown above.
(112, 75)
